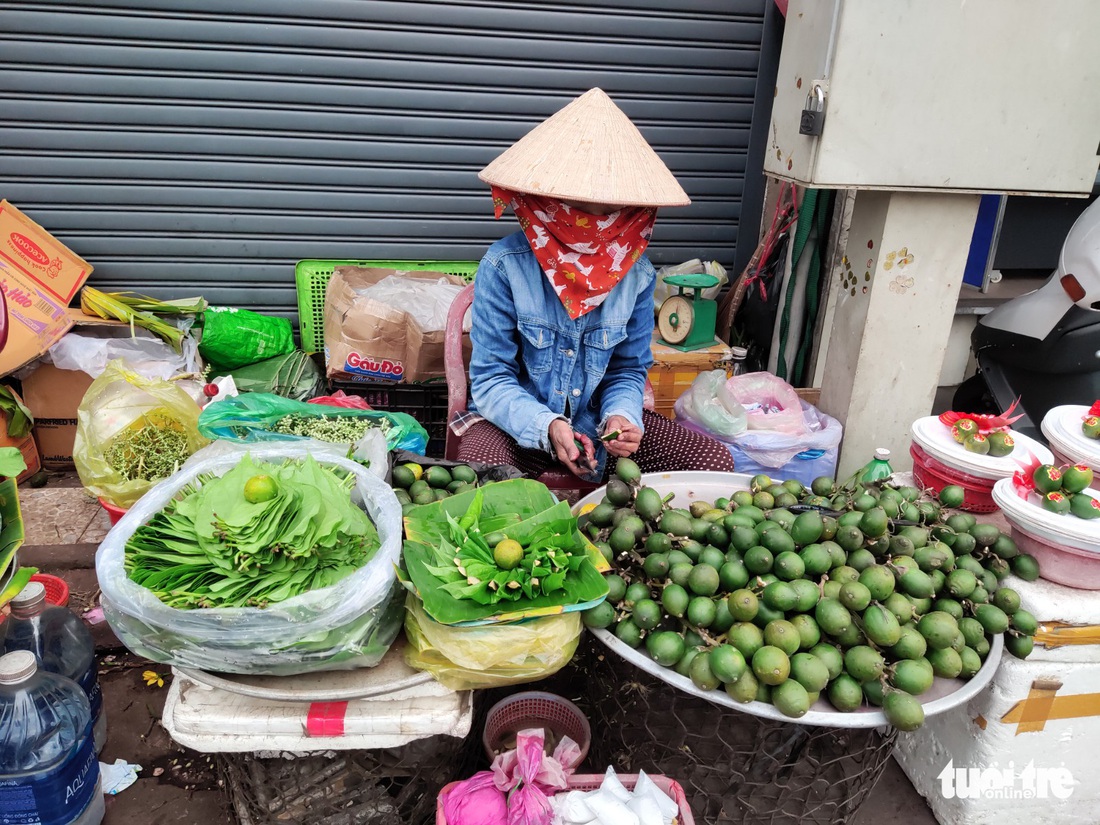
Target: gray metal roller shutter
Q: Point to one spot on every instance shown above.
(205, 146)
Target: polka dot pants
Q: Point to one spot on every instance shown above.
(666, 447)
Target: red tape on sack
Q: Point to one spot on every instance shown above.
(326, 719)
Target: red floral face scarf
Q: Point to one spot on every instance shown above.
(582, 255)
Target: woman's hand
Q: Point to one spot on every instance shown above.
(561, 436)
(628, 440)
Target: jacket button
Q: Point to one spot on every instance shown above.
(576, 393)
(569, 352)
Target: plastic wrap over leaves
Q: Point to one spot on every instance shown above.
(350, 624)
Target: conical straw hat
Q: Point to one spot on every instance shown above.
(589, 151)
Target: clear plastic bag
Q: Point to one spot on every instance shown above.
(120, 400)
(145, 354)
(770, 403)
(348, 625)
(709, 403)
(472, 658)
(426, 302)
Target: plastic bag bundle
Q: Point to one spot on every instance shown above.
(770, 403)
(709, 403)
(471, 658)
(426, 302)
(118, 403)
(252, 418)
(234, 338)
(350, 624)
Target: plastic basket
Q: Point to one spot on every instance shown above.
(590, 782)
(536, 709)
(57, 592)
(931, 474)
(312, 276)
(113, 513)
(425, 401)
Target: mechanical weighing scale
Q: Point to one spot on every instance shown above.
(687, 320)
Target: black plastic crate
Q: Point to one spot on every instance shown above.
(425, 401)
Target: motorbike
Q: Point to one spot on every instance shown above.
(1043, 348)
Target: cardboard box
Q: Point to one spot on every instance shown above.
(39, 277)
(366, 340)
(52, 395)
(25, 445)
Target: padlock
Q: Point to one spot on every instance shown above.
(813, 116)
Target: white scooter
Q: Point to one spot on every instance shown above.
(1043, 347)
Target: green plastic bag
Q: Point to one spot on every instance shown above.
(252, 417)
(234, 338)
(293, 376)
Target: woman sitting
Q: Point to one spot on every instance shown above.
(562, 318)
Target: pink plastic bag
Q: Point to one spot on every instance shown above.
(476, 801)
(770, 402)
(339, 399)
(527, 774)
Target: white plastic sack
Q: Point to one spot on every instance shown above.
(348, 625)
(692, 267)
(709, 403)
(427, 302)
(149, 357)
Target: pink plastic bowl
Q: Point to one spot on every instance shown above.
(1064, 565)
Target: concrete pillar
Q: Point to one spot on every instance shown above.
(893, 300)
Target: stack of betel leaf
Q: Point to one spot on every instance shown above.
(260, 534)
(500, 552)
(497, 577)
(782, 594)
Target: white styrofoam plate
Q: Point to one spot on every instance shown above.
(936, 440)
(1065, 530)
(690, 486)
(390, 678)
(1062, 427)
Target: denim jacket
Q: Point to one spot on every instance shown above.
(532, 363)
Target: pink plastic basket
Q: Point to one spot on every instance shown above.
(590, 782)
(932, 474)
(536, 709)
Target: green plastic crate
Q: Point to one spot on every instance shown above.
(312, 276)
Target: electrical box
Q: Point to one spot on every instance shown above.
(939, 95)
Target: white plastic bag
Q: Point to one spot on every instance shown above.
(426, 302)
(709, 403)
(149, 356)
(350, 624)
(692, 267)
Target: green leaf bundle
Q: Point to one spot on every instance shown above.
(216, 546)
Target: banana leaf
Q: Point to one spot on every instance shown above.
(11, 535)
(503, 503)
(16, 584)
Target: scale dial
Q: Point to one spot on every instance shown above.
(675, 319)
